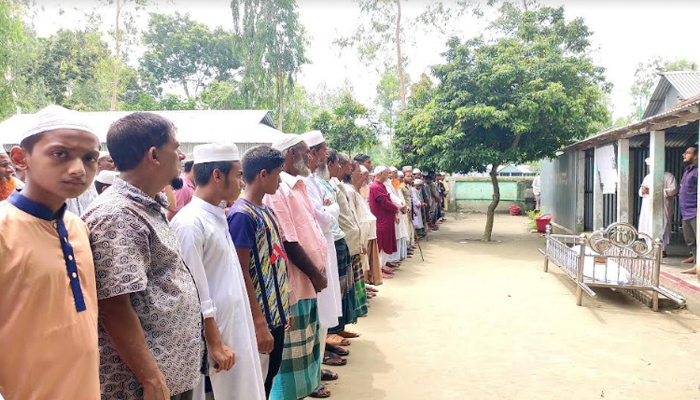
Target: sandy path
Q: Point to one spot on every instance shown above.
(482, 321)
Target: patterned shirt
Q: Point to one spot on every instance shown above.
(256, 228)
(137, 253)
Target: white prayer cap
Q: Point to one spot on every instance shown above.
(2, 149)
(107, 177)
(313, 138)
(52, 118)
(215, 152)
(416, 171)
(407, 168)
(400, 173)
(103, 154)
(648, 160)
(392, 169)
(286, 141)
(364, 169)
(379, 169)
(418, 182)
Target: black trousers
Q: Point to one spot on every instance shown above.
(275, 359)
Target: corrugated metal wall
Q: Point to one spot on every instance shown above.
(558, 179)
(588, 193)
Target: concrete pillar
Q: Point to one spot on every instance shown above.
(657, 154)
(597, 197)
(580, 190)
(624, 191)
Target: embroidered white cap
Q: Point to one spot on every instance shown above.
(418, 182)
(416, 171)
(364, 169)
(107, 177)
(379, 169)
(313, 138)
(215, 152)
(286, 141)
(407, 168)
(54, 117)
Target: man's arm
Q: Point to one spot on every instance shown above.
(262, 333)
(124, 329)
(298, 257)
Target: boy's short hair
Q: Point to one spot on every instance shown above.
(188, 166)
(259, 158)
(130, 137)
(361, 158)
(332, 155)
(202, 172)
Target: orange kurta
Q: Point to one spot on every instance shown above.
(49, 348)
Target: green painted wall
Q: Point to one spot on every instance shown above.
(483, 190)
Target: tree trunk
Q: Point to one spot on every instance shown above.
(280, 97)
(402, 85)
(187, 90)
(117, 61)
(494, 202)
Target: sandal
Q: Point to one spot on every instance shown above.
(337, 340)
(320, 393)
(337, 350)
(348, 334)
(328, 375)
(334, 360)
(387, 276)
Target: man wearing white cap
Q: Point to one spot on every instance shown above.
(401, 228)
(670, 191)
(48, 301)
(7, 183)
(208, 250)
(104, 180)
(150, 332)
(79, 204)
(305, 247)
(418, 207)
(386, 212)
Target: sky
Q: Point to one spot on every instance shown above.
(625, 33)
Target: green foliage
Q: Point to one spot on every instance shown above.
(11, 37)
(532, 215)
(388, 97)
(187, 53)
(347, 128)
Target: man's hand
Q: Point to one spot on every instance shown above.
(364, 250)
(397, 219)
(645, 190)
(223, 357)
(265, 340)
(290, 323)
(156, 389)
(319, 281)
(404, 209)
(327, 201)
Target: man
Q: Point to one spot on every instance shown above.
(209, 252)
(79, 204)
(306, 248)
(443, 190)
(373, 269)
(183, 195)
(406, 185)
(400, 227)
(386, 212)
(364, 160)
(104, 180)
(670, 190)
(418, 207)
(326, 212)
(7, 181)
(105, 162)
(537, 191)
(141, 277)
(48, 328)
(688, 203)
(255, 231)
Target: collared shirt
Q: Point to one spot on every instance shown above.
(48, 328)
(79, 204)
(348, 220)
(183, 196)
(326, 216)
(256, 228)
(137, 253)
(688, 195)
(295, 213)
(359, 206)
(330, 190)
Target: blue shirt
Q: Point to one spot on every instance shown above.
(688, 195)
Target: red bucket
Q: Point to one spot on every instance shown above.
(514, 210)
(542, 222)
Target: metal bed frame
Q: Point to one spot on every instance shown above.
(634, 251)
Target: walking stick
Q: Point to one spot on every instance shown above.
(420, 250)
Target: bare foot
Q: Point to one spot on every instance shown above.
(691, 271)
(688, 260)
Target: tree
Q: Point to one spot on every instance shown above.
(187, 53)
(272, 42)
(514, 98)
(11, 38)
(348, 127)
(646, 77)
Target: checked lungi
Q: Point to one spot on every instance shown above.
(358, 275)
(299, 373)
(347, 287)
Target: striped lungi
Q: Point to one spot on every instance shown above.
(299, 373)
(358, 274)
(347, 286)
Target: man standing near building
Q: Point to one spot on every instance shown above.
(670, 191)
(150, 331)
(255, 231)
(305, 246)
(688, 202)
(386, 212)
(48, 306)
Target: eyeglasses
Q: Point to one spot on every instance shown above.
(688, 153)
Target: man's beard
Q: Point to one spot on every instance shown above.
(301, 167)
(7, 186)
(347, 178)
(688, 163)
(322, 172)
(177, 183)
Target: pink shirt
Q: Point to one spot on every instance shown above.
(184, 195)
(294, 211)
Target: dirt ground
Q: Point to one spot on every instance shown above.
(483, 321)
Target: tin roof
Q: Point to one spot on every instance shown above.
(687, 83)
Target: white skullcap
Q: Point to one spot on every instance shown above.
(416, 171)
(407, 168)
(648, 160)
(215, 152)
(379, 169)
(313, 138)
(107, 177)
(418, 182)
(286, 141)
(2, 149)
(52, 118)
(392, 169)
(400, 173)
(103, 154)
(364, 169)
